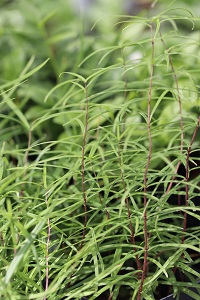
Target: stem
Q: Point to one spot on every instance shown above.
(146, 236)
(132, 239)
(111, 296)
(180, 111)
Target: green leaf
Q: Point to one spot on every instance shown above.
(22, 251)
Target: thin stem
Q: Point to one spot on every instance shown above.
(111, 296)
(132, 239)
(146, 235)
(180, 111)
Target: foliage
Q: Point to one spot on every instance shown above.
(99, 153)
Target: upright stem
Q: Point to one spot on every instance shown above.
(180, 111)
(146, 236)
(121, 169)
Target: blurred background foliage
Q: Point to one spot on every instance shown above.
(64, 31)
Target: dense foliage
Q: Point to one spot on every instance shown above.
(99, 151)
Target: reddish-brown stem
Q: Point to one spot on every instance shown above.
(146, 236)
(132, 239)
(187, 178)
(83, 165)
(180, 111)
(111, 296)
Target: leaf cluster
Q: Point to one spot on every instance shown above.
(99, 154)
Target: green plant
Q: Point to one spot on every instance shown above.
(94, 201)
